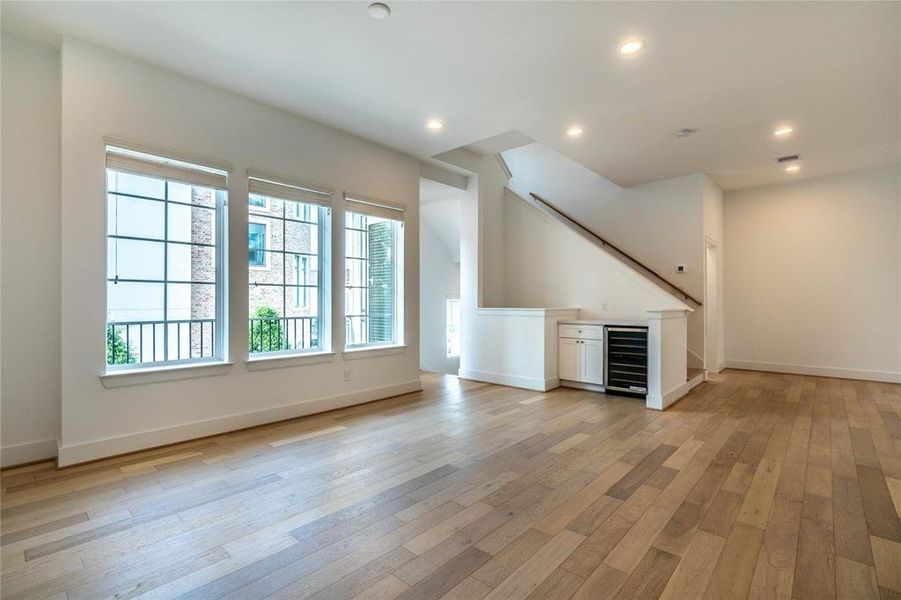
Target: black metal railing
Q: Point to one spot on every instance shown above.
(273, 334)
(134, 342)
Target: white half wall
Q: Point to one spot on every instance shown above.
(813, 276)
(518, 347)
(107, 94)
(30, 380)
(667, 361)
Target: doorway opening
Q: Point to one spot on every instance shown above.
(439, 277)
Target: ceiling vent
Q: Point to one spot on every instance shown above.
(788, 158)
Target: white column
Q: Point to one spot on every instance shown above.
(667, 357)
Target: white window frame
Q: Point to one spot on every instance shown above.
(365, 206)
(320, 199)
(137, 162)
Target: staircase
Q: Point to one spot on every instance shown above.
(693, 376)
(549, 209)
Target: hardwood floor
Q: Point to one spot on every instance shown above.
(755, 485)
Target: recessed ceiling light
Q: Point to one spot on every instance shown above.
(434, 124)
(631, 47)
(783, 131)
(685, 132)
(574, 131)
(379, 10)
(792, 168)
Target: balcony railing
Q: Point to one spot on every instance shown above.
(274, 334)
(132, 342)
(135, 342)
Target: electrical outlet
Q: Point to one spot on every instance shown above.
(346, 374)
(604, 306)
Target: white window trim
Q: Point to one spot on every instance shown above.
(256, 361)
(399, 295)
(149, 372)
(372, 350)
(264, 361)
(169, 372)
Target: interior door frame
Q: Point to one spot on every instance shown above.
(712, 363)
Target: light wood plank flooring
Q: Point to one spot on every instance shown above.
(754, 486)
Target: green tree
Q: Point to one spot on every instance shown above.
(266, 332)
(117, 352)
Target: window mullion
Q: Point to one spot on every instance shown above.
(147, 290)
(166, 275)
(284, 272)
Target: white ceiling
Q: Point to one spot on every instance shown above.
(439, 208)
(731, 70)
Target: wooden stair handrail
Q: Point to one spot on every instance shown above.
(604, 243)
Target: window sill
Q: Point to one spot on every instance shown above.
(264, 363)
(373, 351)
(117, 379)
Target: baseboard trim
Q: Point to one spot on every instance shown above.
(529, 383)
(591, 387)
(835, 372)
(657, 402)
(29, 452)
(93, 450)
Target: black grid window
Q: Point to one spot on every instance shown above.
(284, 256)
(163, 262)
(370, 290)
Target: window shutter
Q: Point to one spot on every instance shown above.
(139, 163)
(375, 208)
(285, 191)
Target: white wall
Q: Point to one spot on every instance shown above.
(439, 280)
(813, 276)
(549, 265)
(658, 223)
(105, 94)
(30, 388)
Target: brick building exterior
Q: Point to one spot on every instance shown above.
(286, 233)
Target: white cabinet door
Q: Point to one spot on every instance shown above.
(592, 361)
(568, 359)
